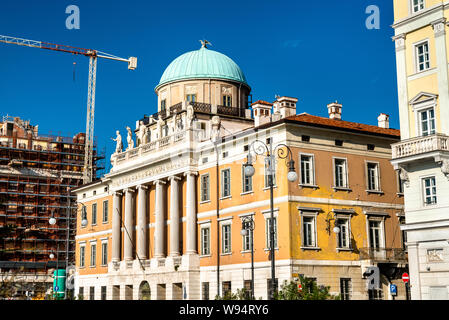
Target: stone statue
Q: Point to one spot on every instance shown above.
(141, 138)
(190, 115)
(445, 167)
(404, 177)
(119, 144)
(130, 139)
(160, 125)
(215, 128)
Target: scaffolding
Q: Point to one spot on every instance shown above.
(37, 173)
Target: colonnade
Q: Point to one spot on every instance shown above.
(142, 244)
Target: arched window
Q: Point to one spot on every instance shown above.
(144, 291)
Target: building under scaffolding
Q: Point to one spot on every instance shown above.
(37, 173)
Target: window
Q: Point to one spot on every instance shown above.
(345, 288)
(370, 147)
(247, 238)
(94, 213)
(307, 170)
(305, 138)
(225, 183)
(343, 237)
(400, 182)
(93, 255)
(205, 187)
(422, 56)
(268, 230)
(427, 122)
(247, 182)
(430, 191)
(191, 97)
(81, 293)
(339, 143)
(403, 233)
(226, 238)
(341, 174)
(205, 241)
(227, 100)
(205, 290)
(375, 234)
(163, 104)
(247, 287)
(308, 229)
(270, 171)
(375, 294)
(105, 211)
(103, 292)
(82, 256)
(104, 253)
(91, 293)
(84, 213)
(226, 288)
(417, 5)
(373, 176)
(269, 286)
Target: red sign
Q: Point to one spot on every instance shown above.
(405, 277)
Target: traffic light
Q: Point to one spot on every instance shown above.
(373, 277)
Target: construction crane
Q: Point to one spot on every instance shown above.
(92, 55)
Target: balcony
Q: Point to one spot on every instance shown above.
(420, 147)
(382, 255)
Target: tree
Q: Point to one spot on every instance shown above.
(306, 289)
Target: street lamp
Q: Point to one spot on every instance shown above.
(283, 152)
(248, 229)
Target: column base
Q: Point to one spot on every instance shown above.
(190, 261)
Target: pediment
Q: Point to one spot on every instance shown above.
(423, 97)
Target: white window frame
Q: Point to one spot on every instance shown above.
(413, 8)
(416, 55)
(104, 252)
(381, 221)
(267, 216)
(203, 244)
(314, 216)
(105, 211)
(424, 188)
(93, 254)
(94, 214)
(226, 239)
(429, 122)
(246, 239)
(346, 173)
(250, 179)
(377, 180)
(82, 262)
(311, 169)
(347, 218)
(222, 182)
(203, 198)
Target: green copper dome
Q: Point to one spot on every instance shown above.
(200, 64)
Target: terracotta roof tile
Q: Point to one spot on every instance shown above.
(262, 102)
(353, 126)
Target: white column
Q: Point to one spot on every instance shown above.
(443, 81)
(142, 234)
(174, 215)
(116, 218)
(414, 266)
(191, 213)
(128, 236)
(401, 71)
(159, 232)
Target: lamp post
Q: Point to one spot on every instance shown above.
(248, 228)
(283, 152)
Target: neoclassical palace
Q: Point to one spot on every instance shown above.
(166, 221)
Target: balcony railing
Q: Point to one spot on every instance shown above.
(383, 254)
(420, 145)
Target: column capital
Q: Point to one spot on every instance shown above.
(174, 178)
(439, 26)
(190, 172)
(129, 190)
(159, 181)
(117, 193)
(399, 41)
(141, 186)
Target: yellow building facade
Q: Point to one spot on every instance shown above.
(422, 155)
(176, 199)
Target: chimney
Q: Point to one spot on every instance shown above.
(383, 121)
(262, 112)
(286, 106)
(334, 110)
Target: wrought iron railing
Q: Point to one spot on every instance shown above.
(230, 111)
(383, 254)
(201, 107)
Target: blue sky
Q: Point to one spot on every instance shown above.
(317, 51)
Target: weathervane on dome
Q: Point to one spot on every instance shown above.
(204, 43)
